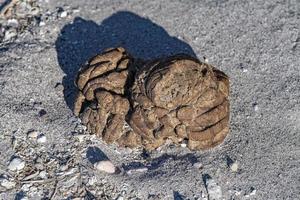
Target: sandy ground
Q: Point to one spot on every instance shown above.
(256, 43)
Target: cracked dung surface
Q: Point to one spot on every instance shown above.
(136, 103)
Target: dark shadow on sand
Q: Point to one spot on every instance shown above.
(155, 164)
(94, 154)
(81, 39)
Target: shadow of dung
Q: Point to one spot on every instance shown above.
(94, 154)
(177, 196)
(229, 161)
(133, 165)
(20, 195)
(205, 178)
(82, 39)
(188, 158)
(155, 164)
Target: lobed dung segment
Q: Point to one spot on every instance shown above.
(101, 101)
(177, 98)
(107, 71)
(180, 81)
(188, 100)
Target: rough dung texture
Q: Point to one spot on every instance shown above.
(137, 103)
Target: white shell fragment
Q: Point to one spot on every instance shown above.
(105, 166)
(137, 170)
(13, 23)
(6, 183)
(16, 164)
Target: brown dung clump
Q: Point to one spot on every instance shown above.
(138, 103)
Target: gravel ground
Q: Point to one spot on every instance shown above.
(46, 153)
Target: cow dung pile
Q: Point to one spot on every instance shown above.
(135, 103)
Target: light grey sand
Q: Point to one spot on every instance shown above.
(256, 43)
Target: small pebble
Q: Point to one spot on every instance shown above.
(14, 142)
(32, 134)
(245, 70)
(63, 14)
(255, 107)
(16, 164)
(43, 175)
(76, 10)
(196, 38)
(183, 145)
(42, 23)
(142, 169)
(205, 59)
(253, 191)
(234, 167)
(6, 183)
(26, 187)
(105, 166)
(13, 23)
(120, 198)
(198, 165)
(92, 180)
(237, 192)
(80, 137)
(35, 11)
(63, 167)
(41, 138)
(9, 34)
(137, 170)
